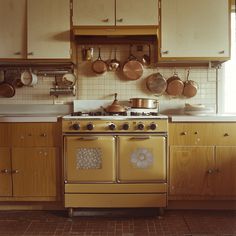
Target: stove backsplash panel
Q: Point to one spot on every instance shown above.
(93, 86)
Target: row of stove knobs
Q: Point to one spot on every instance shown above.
(112, 126)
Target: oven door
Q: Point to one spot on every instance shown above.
(89, 158)
(141, 158)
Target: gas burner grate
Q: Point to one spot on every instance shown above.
(132, 113)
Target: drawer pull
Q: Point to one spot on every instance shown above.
(5, 171)
(15, 171)
(226, 135)
(43, 135)
(210, 171)
(88, 138)
(105, 20)
(184, 133)
(120, 20)
(140, 138)
(196, 132)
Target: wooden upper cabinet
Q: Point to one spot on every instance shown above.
(111, 12)
(193, 29)
(94, 13)
(48, 29)
(13, 28)
(133, 12)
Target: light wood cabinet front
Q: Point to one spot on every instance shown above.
(48, 25)
(225, 176)
(133, 12)
(13, 28)
(195, 29)
(190, 171)
(35, 134)
(94, 13)
(5, 172)
(34, 172)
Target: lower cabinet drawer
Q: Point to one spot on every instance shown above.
(116, 200)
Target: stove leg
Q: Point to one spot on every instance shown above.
(70, 212)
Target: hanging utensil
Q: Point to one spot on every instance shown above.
(190, 87)
(114, 64)
(156, 83)
(146, 59)
(132, 69)
(99, 66)
(175, 85)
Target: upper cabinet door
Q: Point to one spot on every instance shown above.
(13, 28)
(133, 12)
(93, 13)
(48, 29)
(195, 29)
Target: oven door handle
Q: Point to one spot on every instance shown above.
(140, 137)
(88, 138)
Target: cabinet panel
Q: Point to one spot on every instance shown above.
(35, 134)
(34, 171)
(5, 173)
(94, 13)
(191, 134)
(4, 135)
(225, 179)
(13, 28)
(133, 12)
(190, 171)
(185, 33)
(48, 29)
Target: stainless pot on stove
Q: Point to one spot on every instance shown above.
(144, 103)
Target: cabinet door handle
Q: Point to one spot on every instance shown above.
(105, 20)
(226, 135)
(5, 171)
(165, 52)
(15, 171)
(184, 133)
(30, 53)
(196, 132)
(222, 52)
(210, 171)
(43, 135)
(88, 138)
(140, 137)
(120, 20)
(17, 53)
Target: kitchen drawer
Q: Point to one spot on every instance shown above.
(35, 134)
(192, 134)
(224, 134)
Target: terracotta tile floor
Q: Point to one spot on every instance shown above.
(137, 223)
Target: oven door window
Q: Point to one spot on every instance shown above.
(141, 158)
(90, 158)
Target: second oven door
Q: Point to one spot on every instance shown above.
(89, 158)
(141, 158)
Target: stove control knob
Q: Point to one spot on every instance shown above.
(76, 126)
(125, 126)
(112, 126)
(153, 126)
(140, 126)
(90, 126)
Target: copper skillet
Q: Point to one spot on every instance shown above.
(156, 83)
(190, 87)
(99, 66)
(133, 68)
(175, 85)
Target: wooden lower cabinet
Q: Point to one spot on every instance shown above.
(5, 172)
(34, 172)
(189, 167)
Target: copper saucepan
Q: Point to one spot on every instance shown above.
(190, 87)
(133, 68)
(175, 85)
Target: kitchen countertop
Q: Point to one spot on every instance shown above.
(203, 118)
(29, 118)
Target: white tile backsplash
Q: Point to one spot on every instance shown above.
(92, 86)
